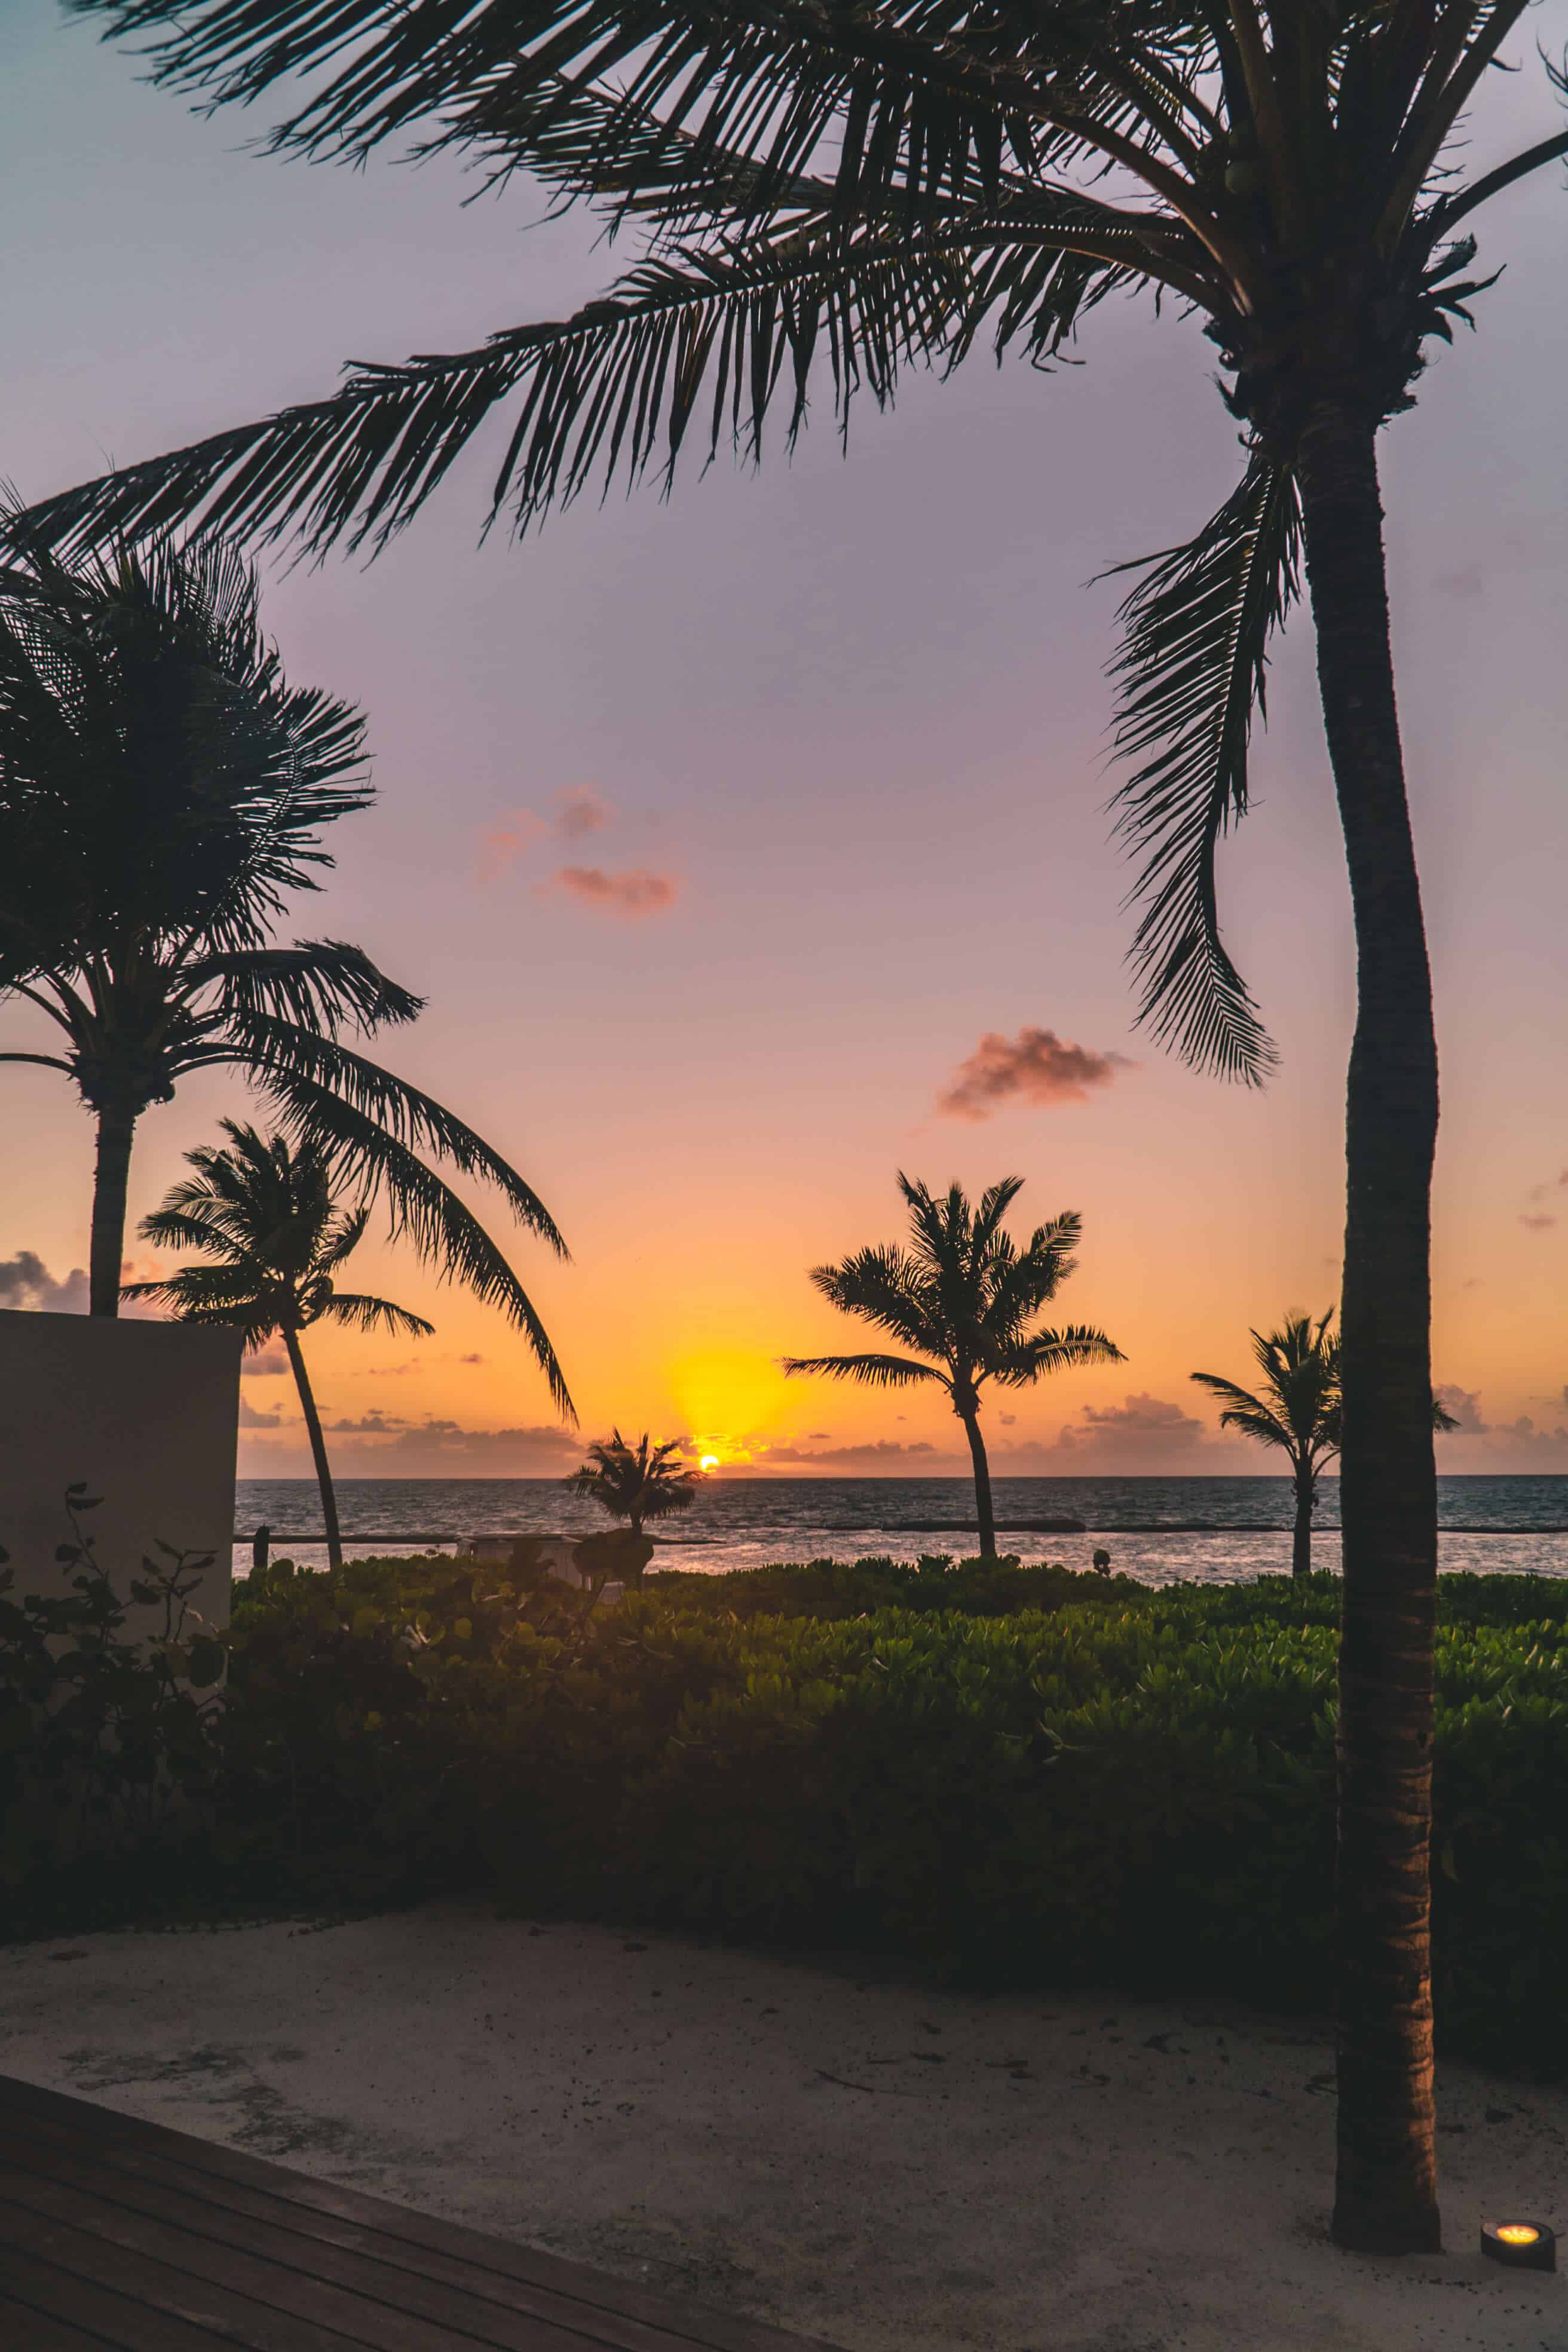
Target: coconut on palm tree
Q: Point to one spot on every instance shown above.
(636, 1483)
(854, 190)
(1297, 1409)
(265, 1215)
(161, 788)
(966, 1295)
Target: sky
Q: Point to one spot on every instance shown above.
(751, 845)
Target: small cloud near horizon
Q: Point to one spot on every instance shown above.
(26, 1283)
(883, 1449)
(1036, 1067)
(634, 891)
(380, 1446)
(1538, 1223)
(251, 1419)
(1140, 1427)
(470, 1360)
(1465, 1405)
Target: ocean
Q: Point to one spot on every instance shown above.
(1157, 1529)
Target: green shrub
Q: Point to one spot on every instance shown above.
(1057, 1779)
(107, 1737)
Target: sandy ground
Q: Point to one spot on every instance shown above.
(852, 2156)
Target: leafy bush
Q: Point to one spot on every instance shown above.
(106, 1746)
(1058, 1778)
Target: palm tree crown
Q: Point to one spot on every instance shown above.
(161, 788)
(1299, 1409)
(263, 1214)
(636, 1482)
(263, 1211)
(965, 1294)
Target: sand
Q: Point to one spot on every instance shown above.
(850, 2154)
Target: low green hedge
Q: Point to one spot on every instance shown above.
(1124, 1785)
(1057, 1779)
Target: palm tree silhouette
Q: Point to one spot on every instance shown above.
(263, 1213)
(1297, 1409)
(162, 787)
(965, 1294)
(860, 189)
(636, 1482)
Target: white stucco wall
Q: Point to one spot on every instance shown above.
(148, 1414)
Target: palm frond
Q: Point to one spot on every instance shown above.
(160, 774)
(882, 1285)
(1053, 1351)
(380, 1163)
(174, 1226)
(192, 1299)
(362, 1313)
(316, 984)
(1247, 1412)
(714, 334)
(873, 1371)
(283, 1054)
(1190, 671)
(934, 97)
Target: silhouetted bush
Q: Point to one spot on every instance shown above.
(1108, 1784)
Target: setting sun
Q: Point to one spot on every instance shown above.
(708, 1462)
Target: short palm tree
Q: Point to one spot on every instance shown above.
(1299, 1409)
(162, 787)
(965, 1294)
(264, 1213)
(636, 1482)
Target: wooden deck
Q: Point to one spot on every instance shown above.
(118, 2232)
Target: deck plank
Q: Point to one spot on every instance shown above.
(112, 2228)
(181, 2222)
(130, 2302)
(31, 2328)
(234, 2212)
(188, 2264)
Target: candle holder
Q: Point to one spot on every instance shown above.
(1519, 2245)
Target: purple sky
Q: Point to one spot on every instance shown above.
(844, 727)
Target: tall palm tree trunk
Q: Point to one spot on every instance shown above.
(318, 1447)
(116, 1129)
(985, 1513)
(1301, 1540)
(1385, 2195)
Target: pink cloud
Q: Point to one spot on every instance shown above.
(634, 891)
(502, 844)
(1036, 1066)
(1538, 1225)
(578, 812)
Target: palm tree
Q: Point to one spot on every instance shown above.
(965, 1294)
(161, 788)
(1299, 1410)
(868, 188)
(636, 1483)
(264, 1213)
